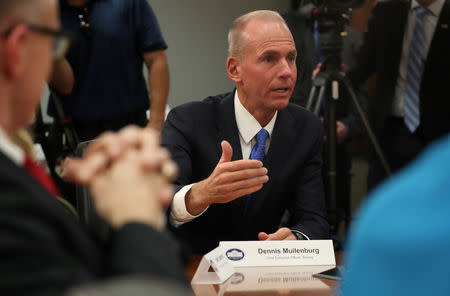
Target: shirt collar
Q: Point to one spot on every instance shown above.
(10, 149)
(247, 125)
(434, 8)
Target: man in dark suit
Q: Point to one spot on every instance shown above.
(223, 195)
(392, 40)
(43, 249)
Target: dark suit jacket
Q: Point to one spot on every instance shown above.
(381, 52)
(44, 251)
(193, 133)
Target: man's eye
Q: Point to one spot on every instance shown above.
(268, 59)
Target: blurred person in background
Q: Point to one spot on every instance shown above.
(406, 46)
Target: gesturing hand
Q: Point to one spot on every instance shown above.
(228, 181)
(283, 233)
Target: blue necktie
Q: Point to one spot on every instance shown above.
(258, 152)
(414, 73)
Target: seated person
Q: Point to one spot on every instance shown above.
(223, 195)
(400, 245)
(44, 251)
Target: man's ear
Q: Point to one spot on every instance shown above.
(14, 52)
(234, 69)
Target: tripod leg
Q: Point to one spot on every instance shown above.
(319, 100)
(311, 97)
(370, 133)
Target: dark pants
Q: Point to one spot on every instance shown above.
(91, 130)
(342, 211)
(399, 146)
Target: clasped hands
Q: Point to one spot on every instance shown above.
(128, 174)
(228, 181)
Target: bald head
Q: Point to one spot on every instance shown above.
(236, 39)
(19, 10)
(25, 58)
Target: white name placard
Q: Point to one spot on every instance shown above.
(221, 265)
(279, 253)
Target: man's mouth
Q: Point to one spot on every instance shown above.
(281, 89)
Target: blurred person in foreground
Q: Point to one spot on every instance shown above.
(247, 156)
(43, 249)
(400, 243)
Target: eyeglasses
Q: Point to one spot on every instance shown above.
(61, 38)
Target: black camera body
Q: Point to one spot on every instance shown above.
(332, 16)
(338, 4)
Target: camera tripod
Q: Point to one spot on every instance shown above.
(331, 79)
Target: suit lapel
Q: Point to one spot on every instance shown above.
(399, 15)
(48, 207)
(227, 127)
(440, 37)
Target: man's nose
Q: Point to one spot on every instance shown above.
(286, 68)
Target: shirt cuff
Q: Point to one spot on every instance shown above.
(301, 233)
(178, 212)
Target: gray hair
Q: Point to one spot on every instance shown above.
(236, 42)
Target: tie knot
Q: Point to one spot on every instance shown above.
(261, 136)
(420, 11)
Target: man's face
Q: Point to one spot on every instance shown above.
(37, 64)
(267, 68)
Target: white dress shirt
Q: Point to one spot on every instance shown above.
(11, 150)
(248, 127)
(430, 21)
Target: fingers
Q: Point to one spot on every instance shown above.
(263, 236)
(243, 187)
(232, 195)
(109, 147)
(82, 170)
(98, 155)
(238, 165)
(165, 197)
(125, 193)
(227, 152)
(239, 175)
(341, 131)
(283, 233)
(108, 143)
(316, 71)
(243, 178)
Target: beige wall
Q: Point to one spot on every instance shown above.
(196, 32)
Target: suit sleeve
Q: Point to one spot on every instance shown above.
(45, 252)
(140, 249)
(177, 142)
